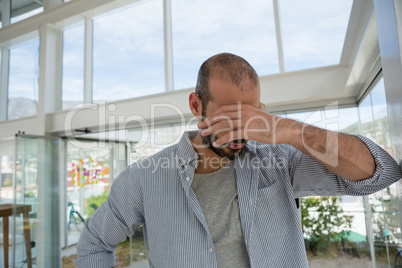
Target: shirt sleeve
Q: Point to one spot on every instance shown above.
(309, 177)
(114, 221)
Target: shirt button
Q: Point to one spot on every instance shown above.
(251, 202)
(188, 179)
(211, 250)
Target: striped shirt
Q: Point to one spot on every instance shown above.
(156, 193)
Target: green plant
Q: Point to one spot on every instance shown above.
(93, 202)
(324, 221)
(29, 194)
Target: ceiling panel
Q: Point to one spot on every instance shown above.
(19, 7)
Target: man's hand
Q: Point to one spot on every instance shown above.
(241, 121)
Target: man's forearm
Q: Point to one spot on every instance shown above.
(342, 154)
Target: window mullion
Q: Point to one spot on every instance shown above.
(167, 29)
(88, 53)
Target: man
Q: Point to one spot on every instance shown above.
(228, 200)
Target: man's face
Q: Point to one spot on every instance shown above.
(226, 93)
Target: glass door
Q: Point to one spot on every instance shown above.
(90, 167)
(88, 180)
(7, 163)
(29, 202)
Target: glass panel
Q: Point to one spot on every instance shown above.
(313, 32)
(88, 183)
(385, 220)
(7, 156)
(334, 231)
(26, 194)
(146, 142)
(23, 77)
(21, 10)
(128, 53)
(342, 119)
(386, 226)
(204, 28)
(7, 161)
(366, 118)
(36, 207)
(73, 66)
(380, 114)
(349, 120)
(319, 118)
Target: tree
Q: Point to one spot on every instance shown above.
(323, 221)
(93, 202)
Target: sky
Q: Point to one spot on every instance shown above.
(128, 49)
(313, 32)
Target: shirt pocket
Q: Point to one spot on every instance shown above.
(270, 212)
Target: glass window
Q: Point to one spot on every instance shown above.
(204, 28)
(73, 66)
(36, 162)
(384, 204)
(149, 141)
(313, 32)
(128, 53)
(306, 117)
(20, 10)
(23, 80)
(380, 115)
(7, 165)
(366, 118)
(341, 119)
(349, 120)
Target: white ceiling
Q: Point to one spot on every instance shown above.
(19, 7)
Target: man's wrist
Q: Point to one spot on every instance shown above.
(287, 131)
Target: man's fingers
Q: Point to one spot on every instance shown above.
(214, 119)
(231, 136)
(223, 125)
(228, 112)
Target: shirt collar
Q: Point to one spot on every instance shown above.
(186, 152)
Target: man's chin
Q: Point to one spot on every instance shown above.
(228, 150)
(230, 153)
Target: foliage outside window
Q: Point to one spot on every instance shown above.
(324, 222)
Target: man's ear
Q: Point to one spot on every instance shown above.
(195, 105)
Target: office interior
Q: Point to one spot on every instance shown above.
(88, 87)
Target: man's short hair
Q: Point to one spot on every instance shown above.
(224, 66)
